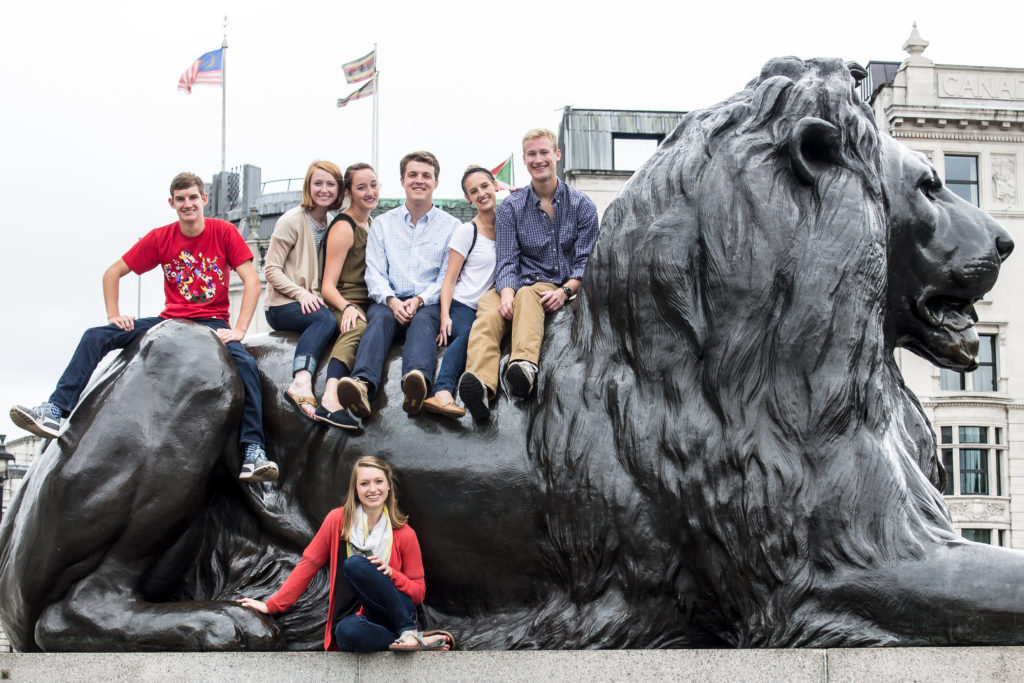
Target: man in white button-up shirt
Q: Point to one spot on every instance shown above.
(406, 258)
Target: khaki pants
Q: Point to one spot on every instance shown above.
(484, 353)
(346, 344)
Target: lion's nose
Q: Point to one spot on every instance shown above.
(1004, 245)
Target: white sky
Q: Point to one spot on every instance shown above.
(92, 127)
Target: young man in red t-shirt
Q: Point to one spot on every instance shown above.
(196, 255)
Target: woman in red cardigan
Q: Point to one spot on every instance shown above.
(376, 570)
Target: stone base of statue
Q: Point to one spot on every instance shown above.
(791, 666)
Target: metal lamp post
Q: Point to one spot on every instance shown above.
(6, 459)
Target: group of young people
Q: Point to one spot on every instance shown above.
(414, 274)
(421, 277)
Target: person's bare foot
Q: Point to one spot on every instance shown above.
(330, 403)
(435, 642)
(302, 386)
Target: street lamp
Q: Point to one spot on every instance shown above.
(6, 459)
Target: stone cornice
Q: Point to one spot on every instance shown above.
(964, 135)
(973, 402)
(956, 123)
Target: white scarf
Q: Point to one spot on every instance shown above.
(362, 540)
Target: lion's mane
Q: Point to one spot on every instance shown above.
(732, 328)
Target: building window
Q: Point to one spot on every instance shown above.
(630, 151)
(962, 176)
(977, 535)
(973, 460)
(984, 378)
(951, 380)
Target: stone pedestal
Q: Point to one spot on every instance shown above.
(791, 666)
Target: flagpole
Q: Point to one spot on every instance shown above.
(376, 110)
(222, 201)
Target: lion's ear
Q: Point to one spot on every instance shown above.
(813, 147)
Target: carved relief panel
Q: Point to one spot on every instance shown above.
(1004, 181)
(972, 509)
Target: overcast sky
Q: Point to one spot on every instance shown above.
(93, 128)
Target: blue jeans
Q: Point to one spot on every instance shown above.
(454, 361)
(387, 611)
(318, 329)
(419, 352)
(99, 341)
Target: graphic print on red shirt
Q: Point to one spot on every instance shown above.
(197, 270)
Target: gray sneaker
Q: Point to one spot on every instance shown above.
(44, 420)
(256, 468)
(519, 376)
(473, 393)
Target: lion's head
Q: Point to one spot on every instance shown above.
(740, 311)
(944, 254)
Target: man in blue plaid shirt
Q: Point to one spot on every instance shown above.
(406, 258)
(544, 235)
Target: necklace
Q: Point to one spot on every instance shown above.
(316, 223)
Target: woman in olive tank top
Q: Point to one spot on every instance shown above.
(344, 288)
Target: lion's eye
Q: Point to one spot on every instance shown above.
(930, 184)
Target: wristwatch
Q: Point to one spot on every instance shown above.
(568, 292)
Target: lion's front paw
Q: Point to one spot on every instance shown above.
(227, 626)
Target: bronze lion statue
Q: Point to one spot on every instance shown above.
(721, 453)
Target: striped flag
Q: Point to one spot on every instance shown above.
(364, 91)
(503, 174)
(360, 69)
(207, 70)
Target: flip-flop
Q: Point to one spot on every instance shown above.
(421, 644)
(299, 401)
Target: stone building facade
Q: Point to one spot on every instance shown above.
(602, 147)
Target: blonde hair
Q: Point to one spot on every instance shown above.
(352, 499)
(535, 133)
(328, 167)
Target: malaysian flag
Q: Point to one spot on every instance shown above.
(364, 91)
(207, 70)
(360, 69)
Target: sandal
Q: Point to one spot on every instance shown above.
(449, 636)
(421, 644)
(299, 401)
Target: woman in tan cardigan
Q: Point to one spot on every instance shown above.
(292, 268)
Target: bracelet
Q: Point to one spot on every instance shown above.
(346, 306)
